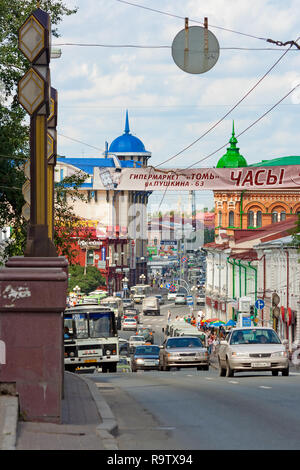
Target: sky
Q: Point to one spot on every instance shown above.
(168, 108)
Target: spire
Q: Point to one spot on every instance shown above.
(127, 123)
(233, 140)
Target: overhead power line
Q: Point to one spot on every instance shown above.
(190, 19)
(228, 112)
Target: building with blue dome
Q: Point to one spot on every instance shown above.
(115, 215)
(128, 147)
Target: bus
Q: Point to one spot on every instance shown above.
(139, 292)
(116, 304)
(90, 338)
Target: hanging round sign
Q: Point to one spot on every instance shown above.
(195, 49)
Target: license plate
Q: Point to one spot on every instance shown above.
(150, 364)
(260, 364)
(90, 360)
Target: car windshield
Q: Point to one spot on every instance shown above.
(184, 343)
(130, 320)
(136, 338)
(254, 336)
(147, 351)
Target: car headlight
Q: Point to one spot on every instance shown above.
(140, 361)
(279, 354)
(108, 352)
(239, 354)
(202, 354)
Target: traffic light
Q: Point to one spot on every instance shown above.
(252, 312)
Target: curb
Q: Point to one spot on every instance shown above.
(10, 409)
(108, 429)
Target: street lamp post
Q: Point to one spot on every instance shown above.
(142, 278)
(125, 285)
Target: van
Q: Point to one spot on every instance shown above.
(151, 306)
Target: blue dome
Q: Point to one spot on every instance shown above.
(127, 142)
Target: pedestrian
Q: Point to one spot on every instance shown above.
(169, 315)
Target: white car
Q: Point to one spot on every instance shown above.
(180, 299)
(171, 295)
(136, 341)
(129, 324)
(252, 349)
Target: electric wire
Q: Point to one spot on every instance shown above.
(190, 19)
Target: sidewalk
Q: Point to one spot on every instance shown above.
(87, 422)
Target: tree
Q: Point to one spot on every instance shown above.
(88, 282)
(14, 130)
(68, 226)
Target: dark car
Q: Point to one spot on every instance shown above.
(145, 358)
(147, 333)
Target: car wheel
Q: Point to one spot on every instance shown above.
(285, 372)
(229, 371)
(133, 369)
(205, 367)
(274, 372)
(222, 371)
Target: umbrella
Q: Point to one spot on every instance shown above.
(231, 323)
(216, 324)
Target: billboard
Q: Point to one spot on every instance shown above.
(150, 178)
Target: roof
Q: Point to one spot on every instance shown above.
(127, 143)
(87, 164)
(280, 161)
(269, 232)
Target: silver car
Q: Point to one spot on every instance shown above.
(184, 351)
(180, 299)
(252, 349)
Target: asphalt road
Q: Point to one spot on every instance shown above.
(192, 410)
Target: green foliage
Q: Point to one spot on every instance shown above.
(67, 225)
(87, 282)
(14, 129)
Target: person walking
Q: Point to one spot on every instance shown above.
(169, 316)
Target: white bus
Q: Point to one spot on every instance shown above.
(139, 292)
(90, 338)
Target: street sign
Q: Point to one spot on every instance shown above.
(172, 288)
(246, 321)
(168, 286)
(184, 259)
(190, 300)
(259, 304)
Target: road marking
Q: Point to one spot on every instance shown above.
(233, 382)
(264, 386)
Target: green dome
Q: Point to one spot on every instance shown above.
(232, 158)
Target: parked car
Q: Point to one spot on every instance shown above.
(145, 358)
(151, 306)
(132, 313)
(171, 295)
(183, 351)
(129, 324)
(252, 349)
(147, 333)
(180, 299)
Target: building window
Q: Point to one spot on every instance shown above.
(282, 215)
(258, 219)
(220, 219)
(250, 219)
(231, 219)
(274, 217)
(90, 257)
